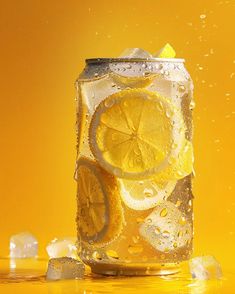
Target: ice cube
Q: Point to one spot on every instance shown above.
(166, 228)
(135, 53)
(64, 268)
(64, 247)
(205, 268)
(23, 245)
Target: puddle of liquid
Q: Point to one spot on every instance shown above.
(28, 276)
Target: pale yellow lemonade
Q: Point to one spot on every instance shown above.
(134, 165)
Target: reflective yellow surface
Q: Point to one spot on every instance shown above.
(28, 276)
(43, 47)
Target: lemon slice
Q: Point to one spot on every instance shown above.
(99, 212)
(142, 195)
(133, 82)
(166, 52)
(180, 167)
(134, 133)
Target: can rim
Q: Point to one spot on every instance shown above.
(125, 59)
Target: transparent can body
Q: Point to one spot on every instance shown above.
(134, 165)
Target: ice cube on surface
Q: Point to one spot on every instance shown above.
(205, 268)
(63, 247)
(166, 228)
(135, 53)
(23, 245)
(64, 268)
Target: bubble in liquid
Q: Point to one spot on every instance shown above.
(135, 249)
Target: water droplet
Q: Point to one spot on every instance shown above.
(181, 88)
(144, 65)
(178, 203)
(141, 182)
(157, 230)
(96, 255)
(135, 249)
(112, 254)
(163, 212)
(192, 105)
(148, 192)
(96, 74)
(182, 221)
(149, 220)
(128, 66)
(166, 234)
(180, 234)
(147, 73)
(168, 113)
(175, 245)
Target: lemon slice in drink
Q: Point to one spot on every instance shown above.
(99, 211)
(142, 195)
(134, 133)
(180, 166)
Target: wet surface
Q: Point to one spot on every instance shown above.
(28, 276)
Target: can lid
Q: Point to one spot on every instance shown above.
(110, 60)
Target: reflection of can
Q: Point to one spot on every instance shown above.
(134, 165)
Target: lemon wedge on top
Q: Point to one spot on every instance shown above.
(166, 52)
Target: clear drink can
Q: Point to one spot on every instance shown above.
(134, 165)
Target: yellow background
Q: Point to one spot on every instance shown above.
(42, 51)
